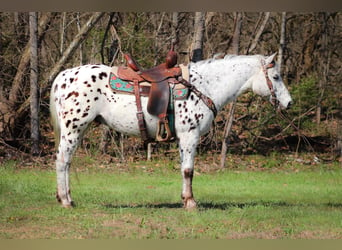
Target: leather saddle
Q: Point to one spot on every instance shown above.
(159, 77)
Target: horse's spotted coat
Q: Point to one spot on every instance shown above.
(82, 94)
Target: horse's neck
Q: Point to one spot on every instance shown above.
(223, 80)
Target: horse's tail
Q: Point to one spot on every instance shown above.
(53, 115)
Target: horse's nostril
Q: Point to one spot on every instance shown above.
(289, 105)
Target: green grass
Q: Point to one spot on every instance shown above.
(143, 202)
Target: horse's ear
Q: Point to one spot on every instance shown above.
(270, 59)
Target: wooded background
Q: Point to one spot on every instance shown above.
(35, 47)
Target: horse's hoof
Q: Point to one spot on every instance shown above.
(190, 204)
(68, 205)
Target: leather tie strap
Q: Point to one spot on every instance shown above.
(140, 114)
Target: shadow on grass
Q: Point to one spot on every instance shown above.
(224, 206)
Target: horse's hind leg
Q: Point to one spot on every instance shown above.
(66, 149)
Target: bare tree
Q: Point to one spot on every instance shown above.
(34, 89)
(197, 44)
(282, 40)
(9, 105)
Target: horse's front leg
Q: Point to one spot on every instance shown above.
(187, 148)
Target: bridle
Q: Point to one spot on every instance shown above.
(265, 67)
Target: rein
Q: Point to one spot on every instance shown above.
(265, 67)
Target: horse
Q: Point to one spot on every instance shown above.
(82, 94)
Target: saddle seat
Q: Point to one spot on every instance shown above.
(159, 77)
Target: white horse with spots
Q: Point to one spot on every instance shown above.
(81, 94)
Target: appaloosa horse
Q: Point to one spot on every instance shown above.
(81, 94)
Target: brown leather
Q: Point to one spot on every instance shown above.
(140, 114)
(160, 73)
(158, 98)
(128, 74)
(131, 62)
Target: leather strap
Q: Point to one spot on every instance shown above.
(140, 114)
(265, 67)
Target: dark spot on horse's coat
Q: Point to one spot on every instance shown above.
(96, 98)
(56, 87)
(74, 126)
(68, 123)
(71, 80)
(88, 100)
(63, 86)
(78, 110)
(70, 141)
(76, 72)
(191, 128)
(107, 86)
(88, 85)
(93, 78)
(189, 120)
(75, 119)
(85, 82)
(84, 94)
(192, 97)
(72, 93)
(99, 90)
(183, 121)
(102, 74)
(95, 67)
(186, 110)
(196, 102)
(84, 114)
(179, 105)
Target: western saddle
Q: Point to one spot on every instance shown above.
(159, 96)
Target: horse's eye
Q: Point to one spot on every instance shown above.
(276, 77)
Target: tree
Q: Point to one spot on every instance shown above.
(197, 44)
(34, 89)
(282, 40)
(9, 104)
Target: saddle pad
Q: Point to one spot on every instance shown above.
(180, 92)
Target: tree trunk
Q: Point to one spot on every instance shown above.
(230, 116)
(34, 95)
(174, 32)
(282, 40)
(197, 45)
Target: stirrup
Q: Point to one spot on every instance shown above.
(163, 131)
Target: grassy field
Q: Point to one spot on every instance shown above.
(142, 201)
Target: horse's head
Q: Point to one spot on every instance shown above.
(268, 82)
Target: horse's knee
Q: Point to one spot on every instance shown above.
(188, 173)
